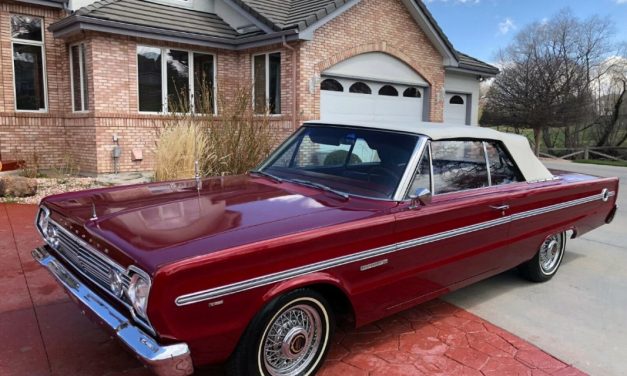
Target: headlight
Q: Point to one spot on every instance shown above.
(49, 232)
(43, 218)
(138, 291)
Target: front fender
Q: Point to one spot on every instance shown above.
(316, 280)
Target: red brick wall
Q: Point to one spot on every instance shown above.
(116, 109)
(24, 134)
(111, 67)
(372, 25)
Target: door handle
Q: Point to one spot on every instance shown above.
(500, 207)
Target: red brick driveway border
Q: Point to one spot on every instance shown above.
(43, 333)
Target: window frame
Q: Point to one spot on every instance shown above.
(41, 44)
(83, 77)
(484, 143)
(164, 79)
(500, 145)
(267, 78)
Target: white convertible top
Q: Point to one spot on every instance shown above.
(518, 146)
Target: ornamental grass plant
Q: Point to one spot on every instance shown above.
(230, 141)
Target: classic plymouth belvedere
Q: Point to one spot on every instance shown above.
(340, 222)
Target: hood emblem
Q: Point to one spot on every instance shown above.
(197, 176)
(94, 214)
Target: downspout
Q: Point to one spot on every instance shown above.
(294, 84)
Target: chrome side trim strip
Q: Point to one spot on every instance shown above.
(268, 279)
(221, 291)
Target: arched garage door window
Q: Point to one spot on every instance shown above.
(331, 85)
(360, 88)
(412, 92)
(456, 99)
(388, 90)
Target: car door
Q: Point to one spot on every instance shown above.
(461, 235)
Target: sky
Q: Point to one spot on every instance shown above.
(481, 27)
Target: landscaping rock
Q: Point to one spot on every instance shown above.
(17, 186)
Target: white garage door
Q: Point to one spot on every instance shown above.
(343, 100)
(455, 108)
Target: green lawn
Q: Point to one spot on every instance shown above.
(601, 162)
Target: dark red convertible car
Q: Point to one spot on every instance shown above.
(341, 222)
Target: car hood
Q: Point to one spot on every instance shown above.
(156, 224)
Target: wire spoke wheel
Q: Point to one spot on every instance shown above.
(292, 340)
(543, 266)
(550, 253)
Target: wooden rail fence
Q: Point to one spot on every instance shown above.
(586, 151)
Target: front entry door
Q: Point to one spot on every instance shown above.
(463, 234)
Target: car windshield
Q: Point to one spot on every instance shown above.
(349, 161)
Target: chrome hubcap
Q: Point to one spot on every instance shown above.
(551, 253)
(292, 341)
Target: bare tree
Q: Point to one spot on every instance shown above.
(548, 76)
(610, 124)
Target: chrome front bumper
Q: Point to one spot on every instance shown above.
(162, 360)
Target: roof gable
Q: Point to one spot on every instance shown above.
(291, 14)
(308, 15)
(148, 14)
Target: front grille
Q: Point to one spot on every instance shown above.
(95, 267)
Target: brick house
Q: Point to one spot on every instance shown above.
(75, 73)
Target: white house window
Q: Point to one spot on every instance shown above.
(177, 63)
(204, 99)
(78, 75)
(29, 64)
(267, 83)
(182, 81)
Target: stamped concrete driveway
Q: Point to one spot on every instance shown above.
(581, 315)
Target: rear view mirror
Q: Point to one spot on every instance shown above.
(421, 196)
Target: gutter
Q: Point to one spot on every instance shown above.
(77, 23)
(484, 72)
(60, 4)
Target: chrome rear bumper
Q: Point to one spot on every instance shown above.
(162, 360)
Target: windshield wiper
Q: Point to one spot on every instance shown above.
(323, 187)
(268, 175)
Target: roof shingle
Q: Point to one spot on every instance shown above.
(280, 15)
(145, 13)
(288, 14)
(469, 62)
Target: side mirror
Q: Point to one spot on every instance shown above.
(422, 196)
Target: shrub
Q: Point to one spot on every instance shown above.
(241, 139)
(231, 143)
(338, 157)
(179, 145)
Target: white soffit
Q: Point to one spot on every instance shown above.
(378, 67)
